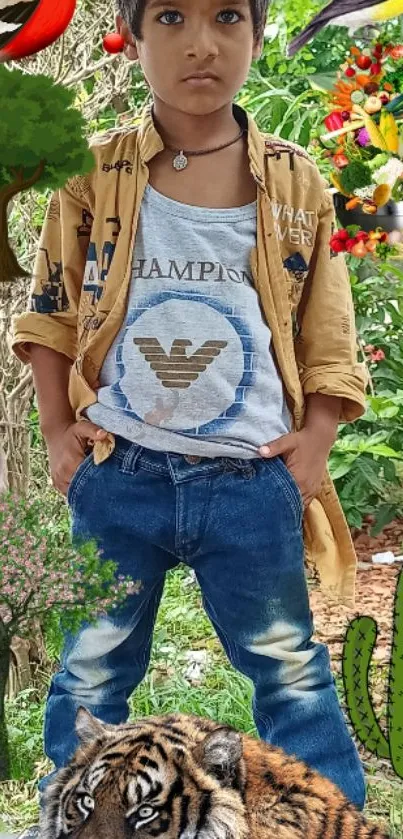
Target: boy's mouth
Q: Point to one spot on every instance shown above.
(199, 81)
(201, 75)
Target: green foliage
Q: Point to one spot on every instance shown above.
(38, 123)
(354, 176)
(365, 460)
(378, 161)
(395, 76)
(42, 572)
(181, 625)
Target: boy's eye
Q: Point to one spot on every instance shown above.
(230, 12)
(175, 12)
(167, 14)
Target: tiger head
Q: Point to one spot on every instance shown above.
(167, 777)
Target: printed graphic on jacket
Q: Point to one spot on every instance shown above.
(94, 279)
(293, 224)
(53, 297)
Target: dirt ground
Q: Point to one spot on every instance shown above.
(375, 594)
(375, 590)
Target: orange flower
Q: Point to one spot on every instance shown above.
(351, 205)
(362, 80)
(341, 94)
(395, 52)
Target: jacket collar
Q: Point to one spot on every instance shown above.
(151, 143)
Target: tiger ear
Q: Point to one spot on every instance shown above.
(219, 753)
(88, 727)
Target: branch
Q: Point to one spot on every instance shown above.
(89, 71)
(6, 193)
(370, 382)
(7, 602)
(22, 610)
(26, 380)
(60, 68)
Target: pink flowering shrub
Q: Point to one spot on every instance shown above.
(41, 574)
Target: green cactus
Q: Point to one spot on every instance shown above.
(357, 652)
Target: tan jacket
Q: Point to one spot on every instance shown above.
(82, 275)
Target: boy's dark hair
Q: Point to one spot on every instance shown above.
(132, 12)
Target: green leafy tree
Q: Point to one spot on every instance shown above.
(42, 144)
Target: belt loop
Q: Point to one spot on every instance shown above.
(245, 467)
(249, 470)
(129, 462)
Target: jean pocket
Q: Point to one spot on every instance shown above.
(79, 478)
(294, 490)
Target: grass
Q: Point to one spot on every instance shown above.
(221, 694)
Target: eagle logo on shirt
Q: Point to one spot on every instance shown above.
(177, 369)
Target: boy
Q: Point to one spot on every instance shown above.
(200, 317)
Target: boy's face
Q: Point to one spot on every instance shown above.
(180, 37)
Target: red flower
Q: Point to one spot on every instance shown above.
(337, 245)
(340, 160)
(395, 52)
(377, 355)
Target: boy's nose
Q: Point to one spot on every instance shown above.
(202, 42)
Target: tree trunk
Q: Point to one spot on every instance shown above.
(4, 668)
(10, 270)
(3, 470)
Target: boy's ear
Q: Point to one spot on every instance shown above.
(258, 49)
(130, 49)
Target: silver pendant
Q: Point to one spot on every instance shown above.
(180, 162)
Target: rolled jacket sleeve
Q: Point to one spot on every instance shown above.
(57, 275)
(326, 346)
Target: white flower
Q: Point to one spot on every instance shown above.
(389, 173)
(365, 192)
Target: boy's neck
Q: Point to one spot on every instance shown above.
(194, 131)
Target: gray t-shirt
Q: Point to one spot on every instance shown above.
(191, 370)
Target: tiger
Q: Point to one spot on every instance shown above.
(180, 776)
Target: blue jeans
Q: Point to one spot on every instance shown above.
(238, 524)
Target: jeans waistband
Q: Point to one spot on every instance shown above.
(180, 467)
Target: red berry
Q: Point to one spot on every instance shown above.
(363, 62)
(350, 71)
(345, 115)
(362, 236)
(113, 43)
(343, 235)
(350, 244)
(378, 50)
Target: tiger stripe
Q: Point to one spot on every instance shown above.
(199, 780)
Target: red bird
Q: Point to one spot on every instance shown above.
(28, 26)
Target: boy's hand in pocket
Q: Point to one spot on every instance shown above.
(305, 454)
(67, 448)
